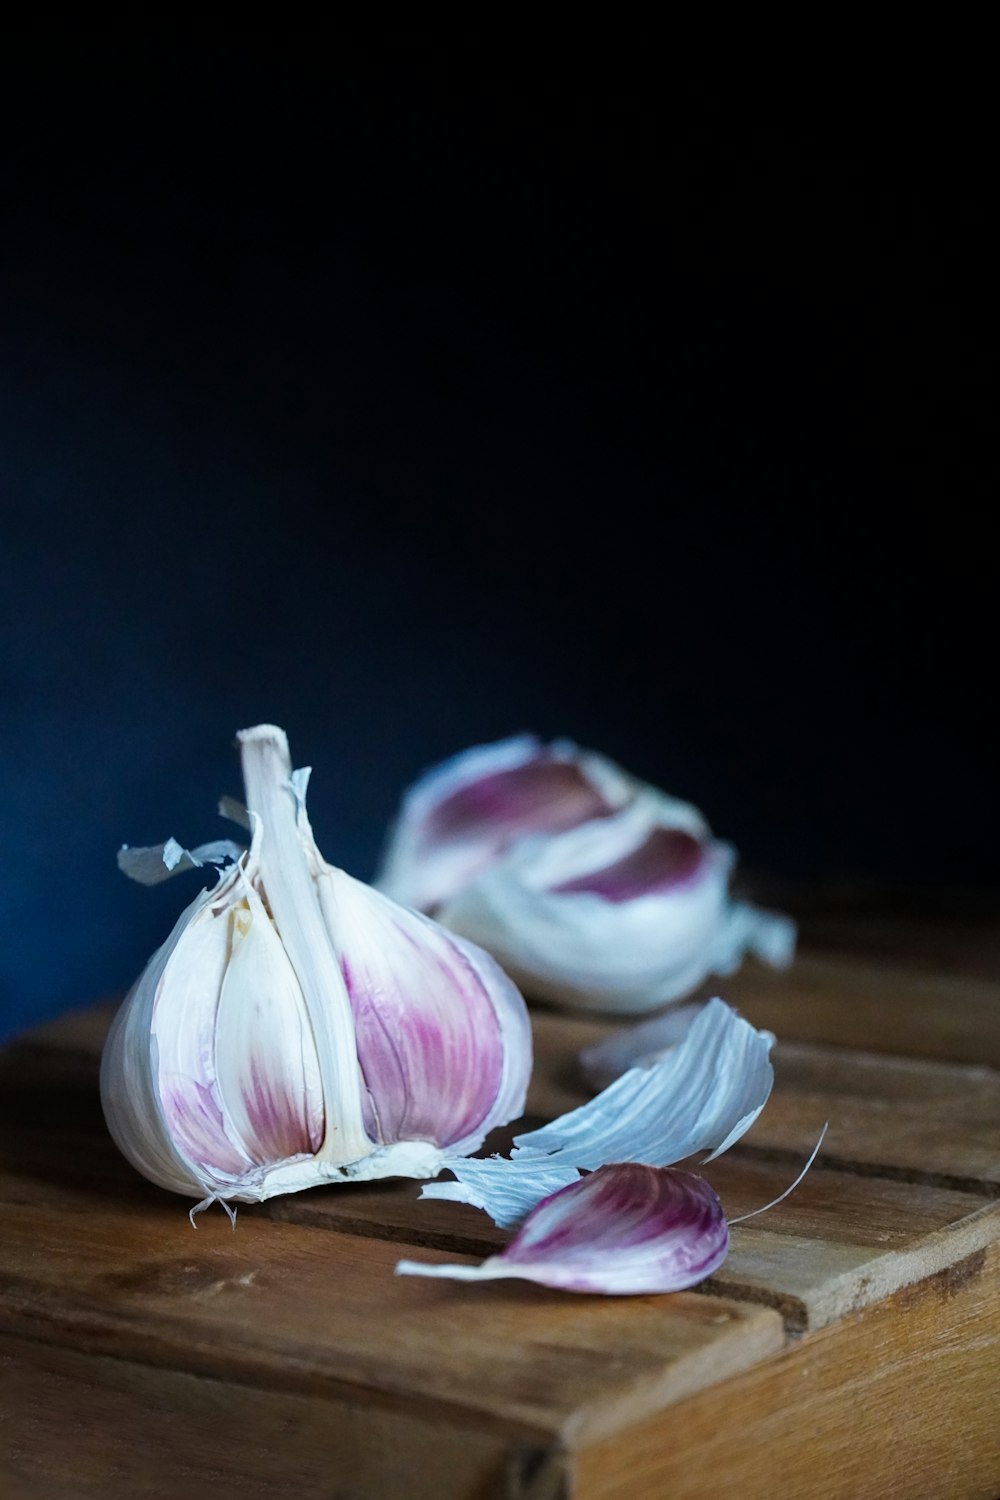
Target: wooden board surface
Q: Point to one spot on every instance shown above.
(871, 1290)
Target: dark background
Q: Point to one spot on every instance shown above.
(411, 406)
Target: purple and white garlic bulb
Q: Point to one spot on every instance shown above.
(299, 1027)
(593, 890)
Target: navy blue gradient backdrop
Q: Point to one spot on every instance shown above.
(412, 413)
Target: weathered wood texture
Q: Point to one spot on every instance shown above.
(849, 1346)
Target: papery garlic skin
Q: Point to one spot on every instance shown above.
(298, 1027)
(634, 1223)
(619, 915)
(702, 1095)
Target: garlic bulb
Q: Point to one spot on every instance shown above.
(592, 889)
(298, 1027)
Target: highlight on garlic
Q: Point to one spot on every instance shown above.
(299, 1027)
(591, 888)
(600, 1205)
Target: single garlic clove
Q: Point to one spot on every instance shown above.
(265, 1056)
(625, 1229)
(703, 1095)
(460, 817)
(621, 914)
(427, 1007)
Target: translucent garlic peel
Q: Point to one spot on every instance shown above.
(299, 1027)
(623, 1230)
(703, 1095)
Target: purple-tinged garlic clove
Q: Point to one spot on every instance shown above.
(624, 1229)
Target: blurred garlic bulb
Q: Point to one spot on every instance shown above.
(592, 889)
(460, 817)
(298, 1027)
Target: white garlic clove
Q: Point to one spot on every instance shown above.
(621, 914)
(461, 816)
(624, 1230)
(265, 1056)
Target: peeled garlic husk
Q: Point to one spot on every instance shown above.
(703, 1095)
(600, 1204)
(299, 1027)
(594, 891)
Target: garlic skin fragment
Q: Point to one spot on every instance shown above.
(703, 1095)
(593, 890)
(298, 1027)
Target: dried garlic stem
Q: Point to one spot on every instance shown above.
(292, 897)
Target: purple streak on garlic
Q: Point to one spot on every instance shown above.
(624, 1229)
(463, 815)
(402, 980)
(665, 860)
(298, 1027)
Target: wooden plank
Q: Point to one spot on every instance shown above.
(314, 1311)
(840, 1242)
(897, 1400)
(896, 1117)
(837, 1244)
(77, 1426)
(873, 1005)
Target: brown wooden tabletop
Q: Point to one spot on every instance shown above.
(849, 1346)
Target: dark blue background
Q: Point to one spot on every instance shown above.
(409, 409)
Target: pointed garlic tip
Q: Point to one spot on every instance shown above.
(593, 890)
(624, 1230)
(298, 1027)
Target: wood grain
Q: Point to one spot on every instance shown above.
(314, 1310)
(900, 1401)
(847, 1347)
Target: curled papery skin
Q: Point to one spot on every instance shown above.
(702, 1095)
(463, 815)
(621, 914)
(640, 1046)
(299, 1027)
(624, 1229)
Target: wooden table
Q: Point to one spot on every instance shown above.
(850, 1345)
